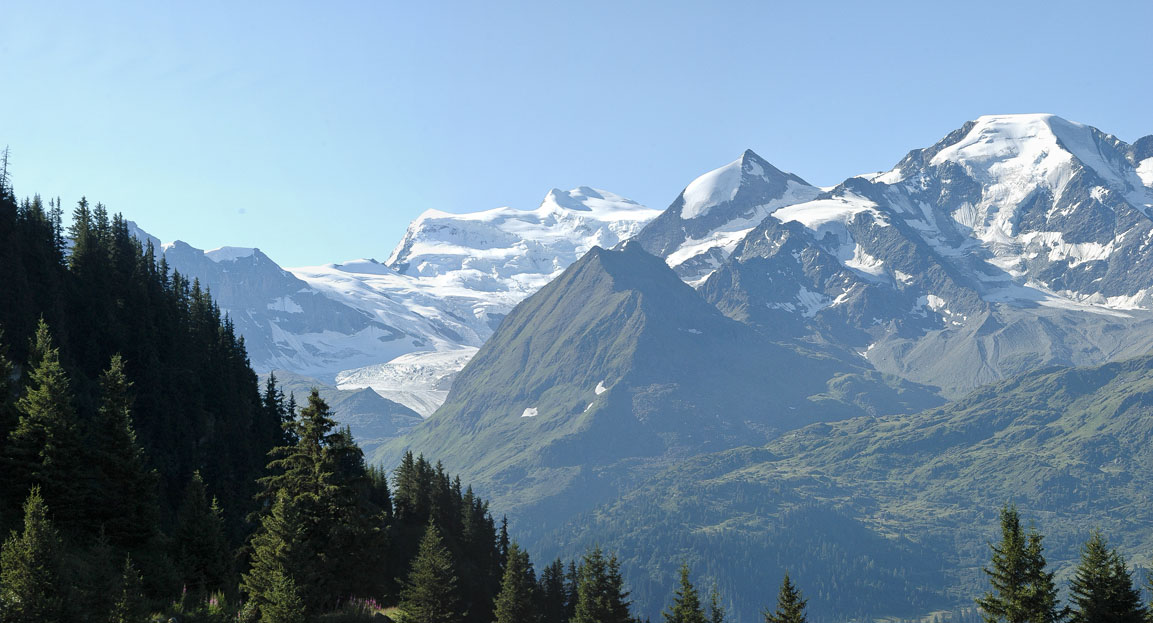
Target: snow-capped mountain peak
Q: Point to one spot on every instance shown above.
(711, 215)
(508, 244)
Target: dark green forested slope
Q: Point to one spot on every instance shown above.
(194, 402)
(890, 516)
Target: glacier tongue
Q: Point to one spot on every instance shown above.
(418, 380)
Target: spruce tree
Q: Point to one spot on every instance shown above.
(601, 597)
(199, 546)
(517, 600)
(1042, 594)
(1102, 588)
(124, 490)
(1022, 591)
(716, 609)
(44, 449)
(431, 595)
(323, 476)
(686, 607)
(30, 587)
(790, 604)
(129, 607)
(572, 590)
(283, 603)
(280, 554)
(553, 593)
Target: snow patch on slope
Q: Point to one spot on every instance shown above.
(830, 215)
(1145, 172)
(711, 189)
(227, 254)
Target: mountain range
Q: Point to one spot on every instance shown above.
(856, 376)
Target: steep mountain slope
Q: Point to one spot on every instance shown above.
(1071, 447)
(616, 366)
(711, 215)
(1016, 241)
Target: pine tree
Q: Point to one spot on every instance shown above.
(1102, 588)
(129, 607)
(30, 590)
(1022, 590)
(44, 449)
(430, 594)
(516, 602)
(686, 607)
(601, 597)
(199, 546)
(790, 604)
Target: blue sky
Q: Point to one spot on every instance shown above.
(317, 131)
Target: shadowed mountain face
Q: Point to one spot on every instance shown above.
(617, 366)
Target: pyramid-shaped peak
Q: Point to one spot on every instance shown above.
(723, 184)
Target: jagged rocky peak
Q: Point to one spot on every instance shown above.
(749, 178)
(710, 216)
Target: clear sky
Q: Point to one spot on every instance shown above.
(317, 130)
